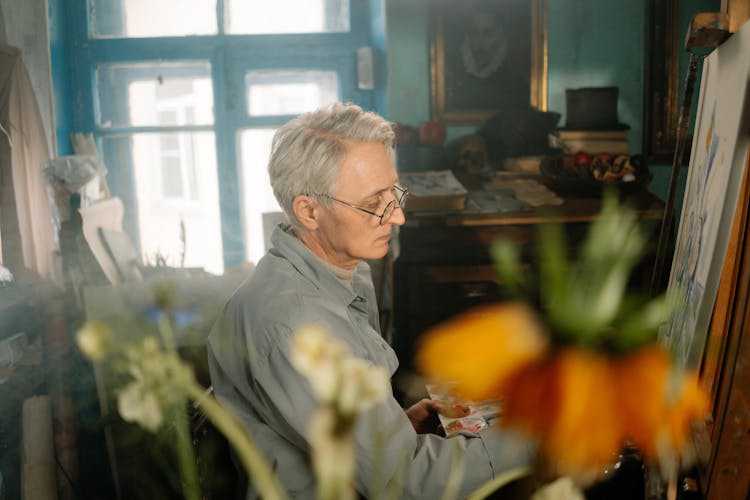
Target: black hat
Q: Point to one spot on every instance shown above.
(592, 108)
(519, 131)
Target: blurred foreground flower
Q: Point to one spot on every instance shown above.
(154, 388)
(95, 339)
(585, 376)
(346, 386)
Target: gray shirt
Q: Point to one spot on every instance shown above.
(252, 375)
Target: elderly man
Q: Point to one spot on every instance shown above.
(332, 172)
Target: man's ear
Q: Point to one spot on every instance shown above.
(306, 209)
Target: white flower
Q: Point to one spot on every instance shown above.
(318, 357)
(156, 379)
(362, 385)
(94, 339)
(347, 382)
(333, 456)
(138, 403)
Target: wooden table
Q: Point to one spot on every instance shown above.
(444, 265)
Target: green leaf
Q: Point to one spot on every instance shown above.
(507, 258)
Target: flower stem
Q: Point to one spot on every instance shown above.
(506, 477)
(185, 451)
(255, 464)
(186, 456)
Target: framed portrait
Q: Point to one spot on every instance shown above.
(662, 82)
(486, 55)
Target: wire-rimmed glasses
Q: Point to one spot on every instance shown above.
(400, 195)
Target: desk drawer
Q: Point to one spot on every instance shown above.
(460, 245)
(446, 290)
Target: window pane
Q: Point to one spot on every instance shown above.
(155, 94)
(152, 18)
(173, 186)
(257, 195)
(289, 92)
(286, 16)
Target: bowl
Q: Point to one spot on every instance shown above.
(572, 175)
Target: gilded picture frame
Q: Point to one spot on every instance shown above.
(478, 64)
(662, 83)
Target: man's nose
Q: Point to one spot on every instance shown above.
(398, 217)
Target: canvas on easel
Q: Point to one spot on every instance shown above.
(717, 162)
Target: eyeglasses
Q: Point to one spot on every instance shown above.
(399, 193)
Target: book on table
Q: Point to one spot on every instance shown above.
(433, 190)
(590, 141)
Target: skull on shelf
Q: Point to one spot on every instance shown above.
(472, 153)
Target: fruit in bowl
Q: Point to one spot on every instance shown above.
(606, 167)
(582, 158)
(585, 174)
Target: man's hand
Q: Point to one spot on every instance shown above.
(424, 415)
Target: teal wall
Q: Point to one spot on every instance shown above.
(408, 62)
(590, 43)
(598, 43)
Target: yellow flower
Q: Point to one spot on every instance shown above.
(481, 348)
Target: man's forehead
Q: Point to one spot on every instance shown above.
(366, 169)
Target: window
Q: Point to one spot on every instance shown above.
(158, 118)
(183, 108)
(289, 92)
(273, 93)
(152, 18)
(155, 18)
(270, 93)
(309, 16)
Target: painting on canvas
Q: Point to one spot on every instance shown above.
(717, 161)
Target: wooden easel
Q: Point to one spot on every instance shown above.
(722, 446)
(707, 31)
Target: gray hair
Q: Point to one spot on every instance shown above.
(307, 151)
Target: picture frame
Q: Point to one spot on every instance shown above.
(475, 70)
(662, 83)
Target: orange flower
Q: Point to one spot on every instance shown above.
(640, 379)
(567, 402)
(686, 406)
(657, 403)
(480, 349)
(581, 405)
(532, 398)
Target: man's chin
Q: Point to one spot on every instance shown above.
(378, 251)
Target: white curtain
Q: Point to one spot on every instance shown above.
(26, 227)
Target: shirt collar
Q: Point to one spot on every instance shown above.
(313, 268)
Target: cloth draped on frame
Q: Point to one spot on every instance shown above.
(27, 231)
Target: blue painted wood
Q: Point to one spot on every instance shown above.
(58, 35)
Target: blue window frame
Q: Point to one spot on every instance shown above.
(232, 62)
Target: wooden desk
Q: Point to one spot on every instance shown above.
(444, 265)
